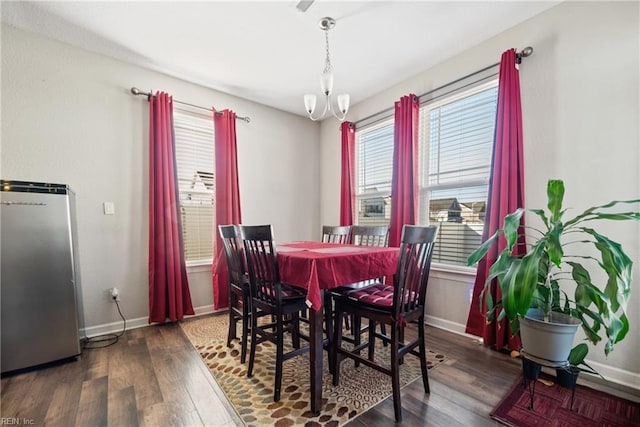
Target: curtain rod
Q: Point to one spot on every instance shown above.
(136, 91)
(527, 51)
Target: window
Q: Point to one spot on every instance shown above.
(456, 140)
(195, 164)
(374, 164)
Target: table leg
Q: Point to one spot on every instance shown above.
(315, 357)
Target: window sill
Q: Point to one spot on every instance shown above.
(444, 270)
(199, 266)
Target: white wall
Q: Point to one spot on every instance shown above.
(68, 117)
(580, 101)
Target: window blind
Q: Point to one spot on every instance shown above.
(456, 140)
(196, 182)
(374, 165)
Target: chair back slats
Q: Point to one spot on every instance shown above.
(412, 275)
(336, 234)
(370, 235)
(262, 263)
(230, 235)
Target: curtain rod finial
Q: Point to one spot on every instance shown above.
(527, 51)
(136, 91)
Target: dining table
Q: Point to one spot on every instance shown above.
(319, 267)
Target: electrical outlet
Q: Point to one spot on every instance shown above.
(115, 294)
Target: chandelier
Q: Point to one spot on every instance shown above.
(326, 82)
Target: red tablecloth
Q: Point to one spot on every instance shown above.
(316, 265)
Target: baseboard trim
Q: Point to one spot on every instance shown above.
(615, 375)
(139, 322)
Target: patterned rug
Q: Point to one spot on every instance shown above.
(552, 407)
(360, 388)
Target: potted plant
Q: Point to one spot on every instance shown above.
(530, 284)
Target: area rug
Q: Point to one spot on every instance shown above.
(551, 407)
(360, 388)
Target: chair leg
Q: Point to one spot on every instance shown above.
(232, 326)
(279, 357)
(395, 372)
(401, 338)
(423, 357)
(252, 352)
(372, 339)
(356, 329)
(245, 331)
(232, 320)
(337, 344)
(383, 331)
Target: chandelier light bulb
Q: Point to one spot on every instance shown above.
(343, 103)
(326, 83)
(310, 103)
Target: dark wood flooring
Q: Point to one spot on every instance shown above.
(154, 377)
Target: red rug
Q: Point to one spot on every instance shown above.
(551, 407)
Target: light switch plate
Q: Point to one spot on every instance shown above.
(109, 208)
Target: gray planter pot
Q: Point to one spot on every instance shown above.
(551, 341)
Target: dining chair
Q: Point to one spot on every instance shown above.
(239, 297)
(365, 235)
(283, 302)
(394, 306)
(370, 235)
(336, 234)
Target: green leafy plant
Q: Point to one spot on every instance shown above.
(576, 359)
(557, 253)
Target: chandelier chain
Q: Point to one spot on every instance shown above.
(327, 61)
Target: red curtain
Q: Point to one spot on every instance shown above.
(347, 174)
(404, 181)
(169, 296)
(506, 194)
(227, 198)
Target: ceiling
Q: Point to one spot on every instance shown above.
(268, 51)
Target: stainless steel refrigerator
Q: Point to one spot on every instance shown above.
(40, 290)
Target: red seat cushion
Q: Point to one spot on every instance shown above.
(379, 295)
